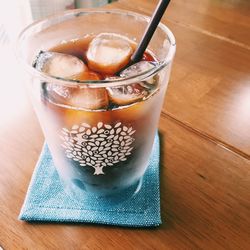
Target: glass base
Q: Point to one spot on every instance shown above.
(77, 192)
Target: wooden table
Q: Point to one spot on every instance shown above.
(205, 142)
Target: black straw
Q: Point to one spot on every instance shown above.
(152, 25)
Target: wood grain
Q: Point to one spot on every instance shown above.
(209, 88)
(227, 20)
(204, 195)
(205, 143)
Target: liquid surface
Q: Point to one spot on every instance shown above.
(79, 47)
(71, 57)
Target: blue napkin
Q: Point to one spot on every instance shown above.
(47, 201)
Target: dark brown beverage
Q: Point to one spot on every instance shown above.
(99, 115)
(105, 133)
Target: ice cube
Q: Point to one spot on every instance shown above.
(88, 76)
(60, 65)
(108, 53)
(128, 94)
(138, 68)
(90, 98)
(86, 98)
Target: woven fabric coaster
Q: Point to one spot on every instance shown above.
(46, 199)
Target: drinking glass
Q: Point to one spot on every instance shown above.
(101, 152)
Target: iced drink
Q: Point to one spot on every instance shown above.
(99, 113)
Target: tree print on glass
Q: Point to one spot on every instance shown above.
(99, 146)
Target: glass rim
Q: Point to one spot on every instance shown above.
(96, 83)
